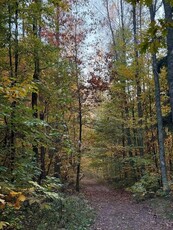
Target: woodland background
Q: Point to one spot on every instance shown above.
(83, 83)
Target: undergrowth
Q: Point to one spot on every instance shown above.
(44, 208)
(146, 187)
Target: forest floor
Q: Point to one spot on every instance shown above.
(117, 210)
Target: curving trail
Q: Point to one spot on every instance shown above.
(115, 210)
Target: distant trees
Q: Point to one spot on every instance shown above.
(130, 142)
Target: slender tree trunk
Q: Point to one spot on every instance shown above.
(79, 144)
(79, 112)
(123, 136)
(111, 29)
(9, 40)
(152, 142)
(159, 115)
(128, 133)
(127, 130)
(171, 152)
(13, 77)
(11, 140)
(16, 51)
(123, 143)
(138, 85)
(42, 157)
(57, 166)
(36, 76)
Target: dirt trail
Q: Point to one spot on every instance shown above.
(116, 210)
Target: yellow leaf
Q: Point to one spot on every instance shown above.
(21, 198)
(3, 224)
(14, 194)
(17, 205)
(2, 203)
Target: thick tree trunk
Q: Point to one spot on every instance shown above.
(159, 116)
(160, 126)
(169, 20)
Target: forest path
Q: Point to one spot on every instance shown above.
(116, 210)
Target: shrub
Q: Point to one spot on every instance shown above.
(45, 208)
(146, 187)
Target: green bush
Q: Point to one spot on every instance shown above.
(77, 214)
(46, 208)
(146, 187)
(71, 213)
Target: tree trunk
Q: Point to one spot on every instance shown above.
(138, 85)
(9, 41)
(79, 151)
(127, 130)
(13, 78)
(111, 30)
(159, 116)
(42, 157)
(79, 143)
(169, 20)
(36, 76)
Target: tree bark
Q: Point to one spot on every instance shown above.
(36, 76)
(42, 157)
(13, 77)
(79, 151)
(138, 85)
(111, 29)
(159, 115)
(79, 142)
(169, 21)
